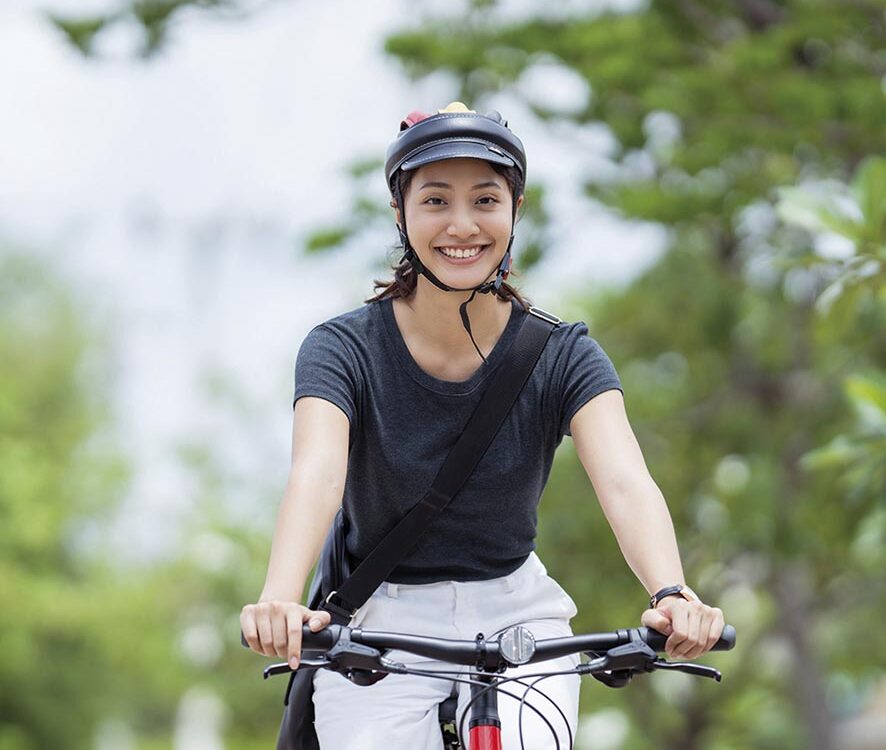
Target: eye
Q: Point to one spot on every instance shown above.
(491, 200)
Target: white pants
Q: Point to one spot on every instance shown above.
(400, 711)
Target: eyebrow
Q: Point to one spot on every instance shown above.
(490, 183)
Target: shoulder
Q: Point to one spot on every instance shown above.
(357, 320)
(345, 330)
(569, 339)
(576, 370)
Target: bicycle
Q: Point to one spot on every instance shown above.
(614, 658)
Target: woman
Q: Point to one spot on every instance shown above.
(381, 394)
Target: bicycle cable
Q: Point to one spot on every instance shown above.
(446, 675)
(523, 703)
(519, 681)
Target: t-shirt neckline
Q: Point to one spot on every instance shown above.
(408, 363)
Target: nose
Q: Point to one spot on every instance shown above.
(463, 223)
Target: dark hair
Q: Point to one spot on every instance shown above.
(405, 279)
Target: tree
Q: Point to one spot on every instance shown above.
(83, 640)
(154, 18)
(731, 376)
(737, 385)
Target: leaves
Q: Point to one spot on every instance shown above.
(859, 456)
(760, 416)
(776, 103)
(153, 18)
(869, 188)
(81, 31)
(854, 213)
(324, 239)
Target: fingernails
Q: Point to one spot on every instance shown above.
(315, 623)
(293, 663)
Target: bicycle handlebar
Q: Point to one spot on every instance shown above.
(470, 653)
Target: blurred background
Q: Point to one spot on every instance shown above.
(188, 186)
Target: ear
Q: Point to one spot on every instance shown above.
(396, 214)
(519, 201)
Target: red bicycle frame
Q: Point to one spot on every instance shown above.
(486, 737)
(485, 725)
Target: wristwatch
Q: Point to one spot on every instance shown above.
(680, 589)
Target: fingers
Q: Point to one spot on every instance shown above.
(693, 645)
(696, 628)
(676, 642)
(319, 619)
(279, 615)
(248, 627)
(256, 628)
(657, 620)
(293, 629)
(316, 619)
(263, 619)
(716, 628)
(274, 628)
(709, 628)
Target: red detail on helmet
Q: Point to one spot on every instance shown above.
(412, 118)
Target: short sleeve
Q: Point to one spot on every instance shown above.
(587, 372)
(325, 368)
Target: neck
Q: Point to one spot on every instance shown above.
(435, 314)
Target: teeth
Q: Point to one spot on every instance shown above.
(459, 253)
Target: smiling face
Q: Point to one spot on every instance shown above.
(458, 218)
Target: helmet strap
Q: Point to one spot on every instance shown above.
(466, 322)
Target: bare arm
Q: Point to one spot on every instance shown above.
(313, 494)
(630, 498)
(638, 514)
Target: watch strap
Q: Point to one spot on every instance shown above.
(678, 589)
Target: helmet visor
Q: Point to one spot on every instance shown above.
(457, 149)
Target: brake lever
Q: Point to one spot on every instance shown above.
(284, 668)
(700, 670)
(618, 665)
(275, 669)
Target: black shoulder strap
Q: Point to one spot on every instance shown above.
(463, 458)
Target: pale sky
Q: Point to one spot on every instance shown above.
(174, 192)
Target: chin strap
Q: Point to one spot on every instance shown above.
(493, 285)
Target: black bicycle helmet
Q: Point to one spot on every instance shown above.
(454, 132)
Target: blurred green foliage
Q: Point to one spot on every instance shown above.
(154, 18)
(86, 641)
(752, 356)
(57, 472)
(759, 413)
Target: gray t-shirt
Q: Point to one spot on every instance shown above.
(403, 422)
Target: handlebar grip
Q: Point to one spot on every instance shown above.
(657, 640)
(309, 639)
(727, 639)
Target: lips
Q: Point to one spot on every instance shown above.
(463, 260)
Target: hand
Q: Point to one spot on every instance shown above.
(273, 628)
(692, 627)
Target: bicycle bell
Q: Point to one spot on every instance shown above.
(517, 644)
